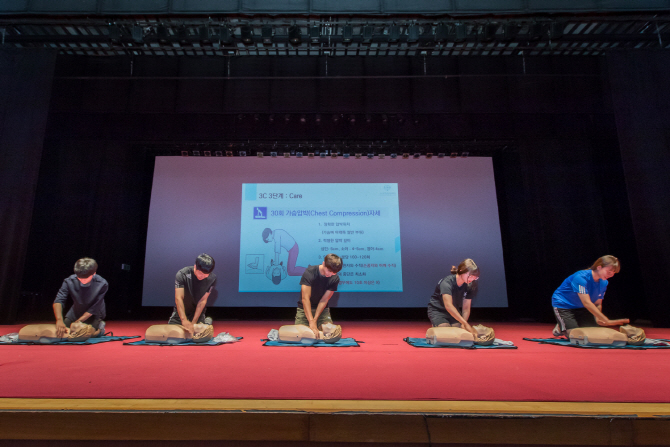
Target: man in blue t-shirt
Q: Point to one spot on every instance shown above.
(578, 301)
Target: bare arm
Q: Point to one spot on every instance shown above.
(306, 292)
(466, 309)
(179, 303)
(323, 302)
(596, 310)
(449, 305)
(200, 306)
(61, 329)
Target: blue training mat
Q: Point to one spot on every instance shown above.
(90, 341)
(422, 343)
(342, 343)
(566, 342)
(189, 343)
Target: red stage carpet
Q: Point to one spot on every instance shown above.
(383, 368)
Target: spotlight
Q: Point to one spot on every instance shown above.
(303, 119)
(287, 117)
(256, 117)
(184, 153)
(314, 33)
(460, 32)
(317, 118)
(413, 33)
(367, 32)
(535, 30)
(510, 30)
(358, 155)
(294, 35)
(218, 153)
(441, 32)
(385, 119)
(138, 34)
(453, 155)
(229, 153)
(347, 33)
(401, 119)
(298, 154)
(465, 154)
(271, 119)
(440, 155)
(405, 155)
(429, 155)
(381, 156)
(322, 155)
(225, 35)
(345, 155)
(352, 119)
(208, 153)
(196, 153)
(556, 30)
(273, 154)
(287, 155)
(371, 156)
(333, 155)
(336, 118)
(368, 119)
(487, 32)
(310, 154)
(204, 35)
(416, 155)
(162, 34)
(266, 34)
(394, 156)
(115, 34)
(247, 34)
(182, 35)
(259, 154)
(394, 33)
(242, 153)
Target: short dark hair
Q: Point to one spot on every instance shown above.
(333, 262)
(266, 233)
(204, 263)
(85, 267)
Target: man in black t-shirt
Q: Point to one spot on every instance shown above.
(317, 285)
(192, 288)
(87, 291)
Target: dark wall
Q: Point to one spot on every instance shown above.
(561, 186)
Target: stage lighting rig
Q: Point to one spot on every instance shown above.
(295, 35)
(314, 33)
(347, 33)
(394, 33)
(266, 34)
(367, 33)
(247, 34)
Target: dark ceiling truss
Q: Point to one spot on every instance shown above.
(331, 148)
(282, 36)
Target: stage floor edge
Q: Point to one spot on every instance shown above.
(336, 421)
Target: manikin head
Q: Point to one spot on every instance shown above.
(85, 268)
(331, 333)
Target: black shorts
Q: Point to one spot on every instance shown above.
(437, 317)
(574, 318)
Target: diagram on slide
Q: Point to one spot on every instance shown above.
(294, 225)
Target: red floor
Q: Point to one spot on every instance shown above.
(384, 367)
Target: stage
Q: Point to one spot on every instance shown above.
(383, 391)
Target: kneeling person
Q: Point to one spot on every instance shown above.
(87, 290)
(193, 286)
(317, 285)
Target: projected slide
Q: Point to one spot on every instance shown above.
(285, 227)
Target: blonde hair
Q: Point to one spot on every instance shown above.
(607, 261)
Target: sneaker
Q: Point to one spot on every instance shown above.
(101, 328)
(208, 320)
(557, 331)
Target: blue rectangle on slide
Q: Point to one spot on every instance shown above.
(286, 227)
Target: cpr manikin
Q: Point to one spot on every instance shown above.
(301, 334)
(47, 333)
(627, 334)
(173, 334)
(455, 336)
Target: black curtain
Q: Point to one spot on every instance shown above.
(641, 98)
(92, 200)
(25, 89)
